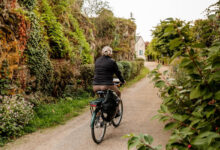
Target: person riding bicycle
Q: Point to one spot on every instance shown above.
(105, 68)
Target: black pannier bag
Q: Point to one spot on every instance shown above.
(109, 105)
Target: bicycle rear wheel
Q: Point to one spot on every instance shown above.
(117, 120)
(98, 127)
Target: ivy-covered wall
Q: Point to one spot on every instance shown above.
(43, 43)
(14, 28)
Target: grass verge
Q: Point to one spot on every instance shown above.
(49, 115)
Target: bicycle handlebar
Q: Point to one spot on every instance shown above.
(117, 82)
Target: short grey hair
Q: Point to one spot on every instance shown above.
(106, 51)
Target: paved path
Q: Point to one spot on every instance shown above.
(140, 105)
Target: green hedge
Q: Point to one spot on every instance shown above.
(130, 69)
(140, 65)
(87, 74)
(127, 69)
(65, 79)
(120, 66)
(139, 59)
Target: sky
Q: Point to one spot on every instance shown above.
(148, 13)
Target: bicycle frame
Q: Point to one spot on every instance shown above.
(95, 107)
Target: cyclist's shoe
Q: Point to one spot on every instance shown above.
(117, 101)
(117, 114)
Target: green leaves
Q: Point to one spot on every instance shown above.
(216, 64)
(134, 141)
(199, 91)
(163, 108)
(79, 37)
(148, 139)
(185, 62)
(170, 36)
(175, 56)
(205, 138)
(175, 43)
(160, 84)
(171, 125)
(59, 43)
(217, 95)
(216, 76)
(29, 4)
(180, 117)
(191, 92)
(169, 30)
(141, 142)
(195, 93)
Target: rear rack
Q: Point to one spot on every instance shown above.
(101, 92)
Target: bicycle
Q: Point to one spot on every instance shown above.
(98, 122)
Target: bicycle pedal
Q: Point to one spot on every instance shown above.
(118, 114)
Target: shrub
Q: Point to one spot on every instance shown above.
(130, 69)
(134, 69)
(139, 59)
(120, 67)
(191, 97)
(127, 69)
(15, 113)
(141, 142)
(65, 74)
(140, 65)
(87, 74)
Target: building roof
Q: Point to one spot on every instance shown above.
(137, 38)
(147, 43)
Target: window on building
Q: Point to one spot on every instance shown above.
(140, 52)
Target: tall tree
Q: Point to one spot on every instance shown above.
(171, 35)
(93, 8)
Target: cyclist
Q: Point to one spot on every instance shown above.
(105, 68)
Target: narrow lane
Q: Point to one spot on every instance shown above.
(140, 105)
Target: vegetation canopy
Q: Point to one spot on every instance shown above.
(191, 91)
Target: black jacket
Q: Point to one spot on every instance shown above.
(105, 68)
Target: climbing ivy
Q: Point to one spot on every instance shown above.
(37, 57)
(5, 81)
(29, 4)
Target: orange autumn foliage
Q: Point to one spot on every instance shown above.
(13, 40)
